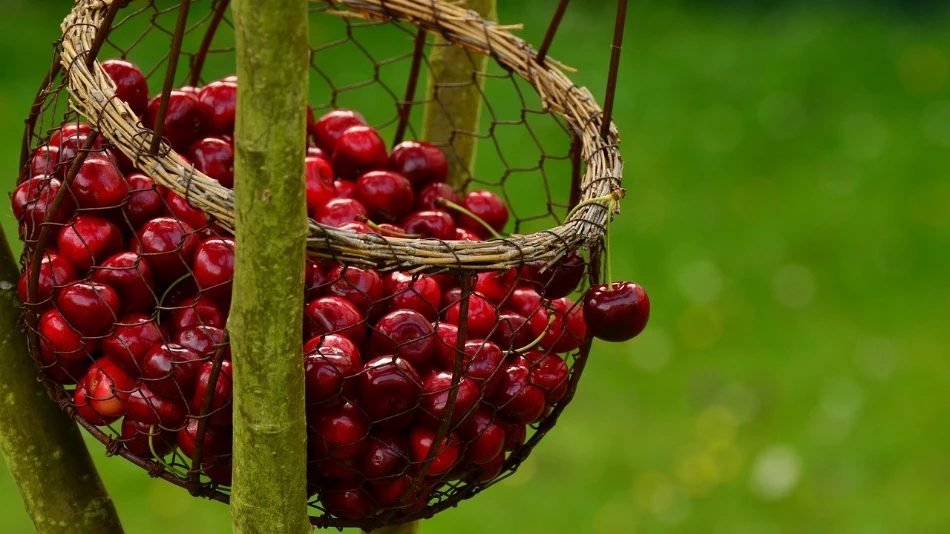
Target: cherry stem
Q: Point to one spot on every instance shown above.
(465, 211)
(613, 200)
(382, 230)
(159, 459)
(537, 340)
(161, 301)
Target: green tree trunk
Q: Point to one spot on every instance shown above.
(454, 97)
(41, 445)
(269, 493)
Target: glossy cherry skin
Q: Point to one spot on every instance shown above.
(386, 454)
(197, 311)
(147, 407)
(480, 320)
(320, 188)
(420, 162)
(171, 371)
(386, 195)
(427, 197)
(340, 211)
(446, 340)
(359, 150)
(203, 340)
(559, 280)
(484, 363)
(214, 268)
(358, 227)
(330, 127)
(82, 402)
(496, 285)
(130, 275)
(435, 224)
(168, 246)
(216, 445)
(548, 372)
(327, 371)
(517, 435)
(388, 392)
(130, 84)
(215, 157)
(89, 307)
(362, 287)
(316, 280)
(483, 439)
(512, 332)
(421, 294)
(107, 388)
(524, 301)
(568, 329)
(70, 146)
(421, 440)
(317, 152)
(345, 189)
(435, 397)
(487, 206)
(218, 101)
(334, 315)
(68, 130)
(347, 503)
(45, 161)
(183, 120)
(616, 313)
(221, 411)
(88, 241)
(181, 209)
(339, 433)
(518, 400)
(488, 471)
(390, 230)
(407, 334)
(145, 202)
(56, 272)
(65, 353)
(337, 342)
(136, 437)
(134, 336)
(32, 201)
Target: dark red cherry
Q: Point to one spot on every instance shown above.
(445, 350)
(337, 470)
(339, 433)
(420, 162)
(204, 340)
(480, 320)
(55, 273)
(146, 201)
(316, 280)
(517, 399)
(389, 492)
(183, 120)
(328, 371)
(337, 342)
(88, 241)
(512, 332)
(214, 268)
(566, 332)
(214, 157)
(428, 195)
(548, 372)
(386, 454)
(433, 405)
(197, 311)
(407, 334)
(345, 188)
(421, 441)
(45, 161)
(147, 407)
(362, 287)
(517, 434)
(461, 234)
(331, 126)
(320, 188)
(168, 246)
(359, 150)
(107, 389)
(340, 211)
(130, 84)
(218, 101)
(386, 195)
(142, 438)
(69, 130)
(618, 312)
(483, 438)
(347, 503)
(524, 301)
(89, 307)
(558, 280)
(487, 206)
(171, 371)
(130, 275)
(317, 152)
(185, 211)
(32, 201)
(216, 445)
(221, 410)
(334, 315)
(484, 363)
(388, 392)
(358, 227)
(434, 224)
(65, 353)
(135, 334)
(488, 471)
(419, 294)
(496, 285)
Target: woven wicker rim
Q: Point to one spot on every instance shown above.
(92, 94)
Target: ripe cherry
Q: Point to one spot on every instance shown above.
(339, 433)
(347, 503)
(331, 126)
(435, 224)
(197, 311)
(137, 436)
(480, 320)
(426, 197)
(446, 340)
(32, 201)
(88, 241)
(524, 301)
(419, 294)
(362, 287)
(337, 342)
(55, 272)
(221, 409)
(518, 400)
(420, 162)
(386, 195)
(135, 334)
(345, 188)
(389, 492)
(45, 161)
(548, 372)
(204, 341)
(334, 315)
(320, 188)
(488, 471)
(421, 440)
(83, 404)
(130, 275)
(214, 268)
(89, 307)
(338, 469)
(358, 150)
(436, 389)
(388, 392)
(216, 445)
(317, 152)
(168, 246)
(183, 120)
(386, 454)
(517, 435)
(214, 157)
(483, 439)
(487, 206)
(218, 101)
(484, 363)
(69, 130)
(183, 210)
(340, 211)
(65, 353)
(566, 332)
(558, 280)
(171, 371)
(404, 333)
(146, 407)
(327, 371)
(461, 234)
(496, 285)
(107, 388)
(145, 202)
(512, 332)
(616, 313)
(130, 84)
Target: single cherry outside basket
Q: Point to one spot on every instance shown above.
(419, 329)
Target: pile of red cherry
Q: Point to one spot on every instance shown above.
(134, 291)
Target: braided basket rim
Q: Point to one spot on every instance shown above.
(92, 94)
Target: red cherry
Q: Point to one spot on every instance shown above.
(89, 307)
(317, 152)
(330, 127)
(203, 340)
(435, 397)
(487, 206)
(345, 189)
(184, 211)
(488, 471)
(83, 404)
(524, 301)
(218, 101)
(451, 296)
(66, 354)
(146, 201)
(617, 313)
(461, 234)
(32, 200)
(338, 434)
(99, 184)
(334, 315)
(428, 195)
(45, 161)
(68, 130)
(214, 268)
(107, 388)
(386, 195)
(55, 273)
(134, 335)
(221, 410)
(130, 275)
(560, 279)
(568, 330)
(420, 294)
(362, 287)
(216, 445)
(496, 285)
(320, 188)
(388, 391)
(390, 230)
(118, 158)
(147, 407)
(433, 224)
(340, 211)
(386, 454)
(484, 439)
(421, 441)
(214, 157)
(548, 372)
(337, 342)
(88, 241)
(404, 333)
(389, 492)
(358, 227)
(137, 437)
(422, 163)
(512, 332)
(183, 120)
(480, 320)
(316, 280)
(446, 340)
(349, 504)
(484, 363)
(327, 371)
(130, 84)
(168, 245)
(517, 399)
(171, 371)
(197, 311)
(338, 469)
(517, 435)
(358, 150)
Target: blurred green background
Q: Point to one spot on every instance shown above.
(789, 214)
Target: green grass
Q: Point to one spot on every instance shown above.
(788, 213)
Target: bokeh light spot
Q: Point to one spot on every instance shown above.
(701, 281)
(652, 350)
(775, 472)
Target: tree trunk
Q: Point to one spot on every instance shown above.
(454, 97)
(42, 446)
(269, 494)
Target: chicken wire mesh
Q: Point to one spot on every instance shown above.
(470, 340)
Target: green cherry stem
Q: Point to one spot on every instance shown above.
(381, 230)
(537, 340)
(161, 301)
(159, 459)
(613, 199)
(465, 211)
